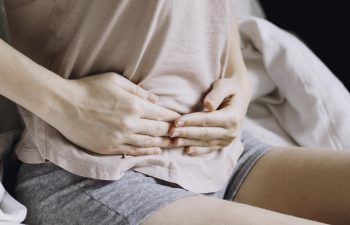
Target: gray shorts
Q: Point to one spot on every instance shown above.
(55, 196)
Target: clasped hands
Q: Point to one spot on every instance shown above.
(115, 116)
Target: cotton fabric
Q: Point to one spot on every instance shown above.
(55, 196)
(175, 49)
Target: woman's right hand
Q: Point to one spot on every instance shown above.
(108, 114)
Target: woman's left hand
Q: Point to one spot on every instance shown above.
(204, 132)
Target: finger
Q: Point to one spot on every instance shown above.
(135, 151)
(134, 89)
(203, 133)
(183, 142)
(145, 141)
(222, 88)
(153, 128)
(203, 119)
(156, 112)
(195, 151)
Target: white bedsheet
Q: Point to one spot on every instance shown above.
(297, 99)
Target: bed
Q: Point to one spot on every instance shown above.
(297, 101)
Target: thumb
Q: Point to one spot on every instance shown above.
(221, 89)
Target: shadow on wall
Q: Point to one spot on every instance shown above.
(322, 25)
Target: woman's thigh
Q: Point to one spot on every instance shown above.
(203, 210)
(307, 183)
(55, 196)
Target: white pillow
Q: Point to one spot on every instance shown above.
(309, 102)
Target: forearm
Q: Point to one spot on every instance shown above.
(236, 64)
(236, 67)
(29, 84)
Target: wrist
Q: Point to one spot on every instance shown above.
(32, 86)
(56, 105)
(243, 84)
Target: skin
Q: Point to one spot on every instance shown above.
(295, 182)
(211, 211)
(304, 182)
(120, 103)
(226, 104)
(107, 113)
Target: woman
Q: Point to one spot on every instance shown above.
(142, 125)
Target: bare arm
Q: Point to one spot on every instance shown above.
(29, 84)
(108, 102)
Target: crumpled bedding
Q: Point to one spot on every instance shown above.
(297, 101)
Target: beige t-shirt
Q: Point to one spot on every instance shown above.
(175, 48)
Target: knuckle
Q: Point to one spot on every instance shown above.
(160, 130)
(207, 143)
(147, 142)
(205, 133)
(133, 107)
(205, 123)
(117, 138)
(137, 91)
(126, 124)
(112, 78)
(123, 125)
(158, 115)
(231, 121)
(130, 124)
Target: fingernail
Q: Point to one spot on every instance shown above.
(180, 124)
(171, 131)
(189, 150)
(175, 134)
(178, 142)
(209, 105)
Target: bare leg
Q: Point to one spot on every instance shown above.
(306, 183)
(204, 210)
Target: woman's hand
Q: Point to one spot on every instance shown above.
(227, 103)
(108, 114)
(204, 132)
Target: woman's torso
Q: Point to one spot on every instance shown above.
(163, 45)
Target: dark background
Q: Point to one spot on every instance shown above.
(324, 25)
